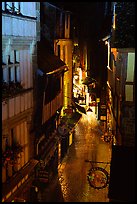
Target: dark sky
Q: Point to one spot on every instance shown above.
(90, 13)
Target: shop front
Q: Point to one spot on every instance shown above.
(47, 154)
(65, 131)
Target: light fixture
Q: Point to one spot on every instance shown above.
(76, 77)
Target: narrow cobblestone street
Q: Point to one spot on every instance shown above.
(71, 184)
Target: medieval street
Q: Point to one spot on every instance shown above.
(72, 184)
(68, 101)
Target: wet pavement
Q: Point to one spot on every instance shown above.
(71, 183)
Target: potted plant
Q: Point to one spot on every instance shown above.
(11, 154)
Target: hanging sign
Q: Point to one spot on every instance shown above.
(98, 177)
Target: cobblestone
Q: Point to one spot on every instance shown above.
(71, 183)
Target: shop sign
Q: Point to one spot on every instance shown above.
(103, 106)
(103, 112)
(102, 117)
(98, 177)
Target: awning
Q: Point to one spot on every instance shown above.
(47, 61)
(80, 108)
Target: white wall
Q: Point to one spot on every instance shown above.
(17, 26)
(28, 8)
(25, 69)
(17, 105)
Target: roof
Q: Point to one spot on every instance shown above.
(47, 61)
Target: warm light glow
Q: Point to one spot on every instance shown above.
(75, 44)
(109, 68)
(70, 139)
(74, 61)
(89, 115)
(108, 84)
(102, 117)
(76, 77)
(65, 94)
(97, 100)
(108, 54)
(114, 24)
(118, 79)
(59, 152)
(80, 75)
(87, 99)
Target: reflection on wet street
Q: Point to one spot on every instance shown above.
(72, 184)
(88, 145)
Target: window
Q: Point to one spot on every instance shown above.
(3, 6)
(9, 6)
(3, 68)
(130, 67)
(10, 70)
(129, 92)
(13, 67)
(10, 73)
(17, 70)
(13, 7)
(17, 7)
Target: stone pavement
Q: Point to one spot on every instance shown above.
(71, 184)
